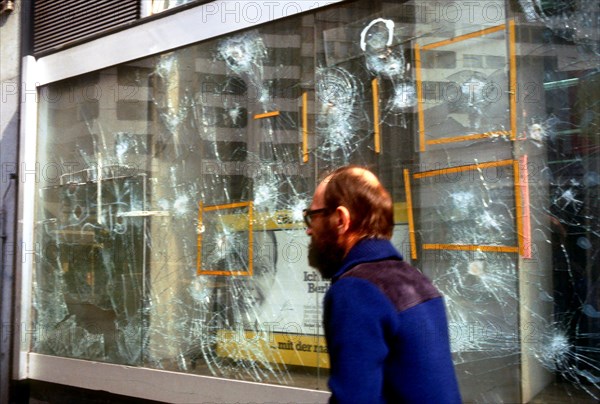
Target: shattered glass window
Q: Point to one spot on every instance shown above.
(169, 216)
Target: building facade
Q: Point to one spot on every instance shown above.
(156, 158)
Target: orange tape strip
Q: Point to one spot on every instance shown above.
(411, 222)
(266, 115)
(512, 54)
(420, 101)
(305, 127)
(468, 137)
(467, 247)
(375, 86)
(464, 37)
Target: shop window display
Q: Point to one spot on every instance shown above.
(171, 226)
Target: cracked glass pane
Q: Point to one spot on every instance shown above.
(169, 218)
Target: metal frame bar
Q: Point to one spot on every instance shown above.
(161, 385)
(26, 217)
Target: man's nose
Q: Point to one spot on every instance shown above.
(308, 231)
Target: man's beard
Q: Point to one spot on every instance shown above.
(325, 254)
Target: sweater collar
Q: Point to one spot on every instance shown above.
(367, 250)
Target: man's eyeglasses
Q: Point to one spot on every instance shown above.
(308, 213)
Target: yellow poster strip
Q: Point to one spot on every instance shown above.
(512, 54)
(376, 126)
(452, 170)
(469, 247)
(464, 37)
(305, 127)
(266, 115)
(420, 100)
(411, 223)
(288, 349)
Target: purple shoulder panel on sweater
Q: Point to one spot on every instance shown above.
(403, 284)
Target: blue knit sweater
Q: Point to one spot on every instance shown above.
(387, 332)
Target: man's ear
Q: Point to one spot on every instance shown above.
(343, 219)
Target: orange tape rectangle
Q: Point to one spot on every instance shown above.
(201, 210)
(512, 84)
(522, 208)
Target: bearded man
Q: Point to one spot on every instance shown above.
(385, 323)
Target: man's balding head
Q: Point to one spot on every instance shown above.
(369, 203)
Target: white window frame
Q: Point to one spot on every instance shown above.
(148, 38)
